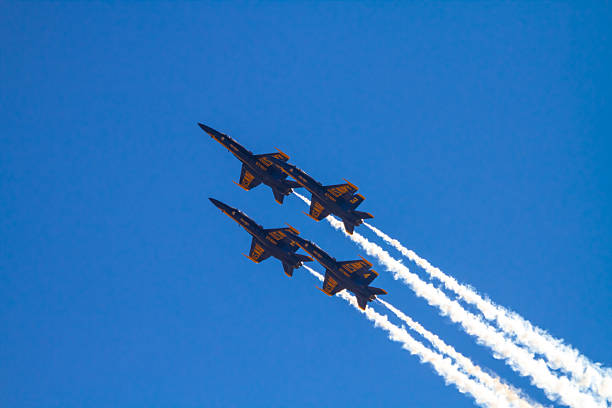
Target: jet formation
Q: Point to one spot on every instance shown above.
(341, 200)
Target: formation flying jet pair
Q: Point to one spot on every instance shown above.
(272, 170)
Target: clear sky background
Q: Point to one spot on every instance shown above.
(480, 135)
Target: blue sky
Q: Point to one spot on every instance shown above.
(479, 135)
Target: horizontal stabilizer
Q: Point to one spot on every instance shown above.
(288, 269)
(363, 215)
(355, 200)
(377, 291)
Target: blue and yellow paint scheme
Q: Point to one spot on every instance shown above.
(256, 168)
(354, 276)
(277, 242)
(338, 199)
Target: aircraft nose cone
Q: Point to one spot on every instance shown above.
(204, 127)
(215, 202)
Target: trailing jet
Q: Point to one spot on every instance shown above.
(352, 275)
(337, 199)
(278, 242)
(256, 168)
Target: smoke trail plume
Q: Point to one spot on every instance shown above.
(587, 374)
(443, 366)
(519, 359)
(512, 395)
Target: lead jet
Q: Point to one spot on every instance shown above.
(277, 242)
(256, 168)
(337, 199)
(352, 275)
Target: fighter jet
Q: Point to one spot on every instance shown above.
(256, 168)
(337, 199)
(277, 242)
(352, 275)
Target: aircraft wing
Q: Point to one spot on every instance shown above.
(330, 285)
(317, 210)
(263, 160)
(358, 271)
(345, 190)
(282, 237)
(257, 252)
(247, 179)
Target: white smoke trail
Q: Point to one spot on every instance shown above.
(443, 366)
(519, 359)
(587, 374)
(511, 394)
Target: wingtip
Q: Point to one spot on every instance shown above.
(322, 290)
(351, 184)
(310, 216)
(293, 229)
(283, 153)
(366, 261)
(248, 257)
(240, 185)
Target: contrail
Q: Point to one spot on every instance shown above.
(512, 395)
(519, 359)
(587, 374)
(443, 366)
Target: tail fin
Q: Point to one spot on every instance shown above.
(278, 196)
(363, 215)
(349, 227)
(362, 301)
(288, 269)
